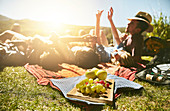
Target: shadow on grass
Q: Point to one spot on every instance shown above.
(89, 107)
(85, 106)
(131, 92)
(2, 68)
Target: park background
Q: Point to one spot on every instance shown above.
(43, 17)
(19, 89)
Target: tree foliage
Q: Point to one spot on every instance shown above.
(161, 25)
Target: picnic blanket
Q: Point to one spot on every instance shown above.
(45, 77)
(66, 84)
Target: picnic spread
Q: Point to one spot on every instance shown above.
(157, 71)
(88, 68)
(69, 75)
(70, 67)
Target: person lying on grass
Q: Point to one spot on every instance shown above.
(47, 52)
(17, 49)
(62, 52)
(104, 54)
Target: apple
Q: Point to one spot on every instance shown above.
(90, 74)
(101, 74)
(95, 69)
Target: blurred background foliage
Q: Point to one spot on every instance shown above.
(160, 23)
(161, 26)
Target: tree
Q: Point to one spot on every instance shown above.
(161, 26)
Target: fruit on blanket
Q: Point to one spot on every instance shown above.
(99, 86)
(107, 85)
(77, 86)
(101, 74)
(98, 90)
(88, 90)
(96, 80)
(94, 83)
(90, 74)
(103, 90)
(92, 87)
(82, 90)
(90, 80)
(95, 69)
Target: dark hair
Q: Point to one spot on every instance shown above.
(16, 28)
(86, 57)
(142, 25)
(50, 60)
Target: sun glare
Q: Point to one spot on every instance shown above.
(57, 11)
(48, 11)
(54, 12)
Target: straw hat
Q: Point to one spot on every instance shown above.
(144, 16)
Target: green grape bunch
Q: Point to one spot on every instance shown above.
(94, 84)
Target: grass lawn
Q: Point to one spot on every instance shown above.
(19, 91)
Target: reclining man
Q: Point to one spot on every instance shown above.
(47, 53)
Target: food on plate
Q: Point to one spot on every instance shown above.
(94, 84)
(101, 74)
(90, 74)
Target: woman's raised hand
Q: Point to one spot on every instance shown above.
(99, 13)
(110, 13)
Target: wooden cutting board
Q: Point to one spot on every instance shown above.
(103, 98)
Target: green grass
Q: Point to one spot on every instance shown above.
(19, 91)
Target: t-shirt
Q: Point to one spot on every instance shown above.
(105, 52)
(134, 44)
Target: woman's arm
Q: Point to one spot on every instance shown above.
(114, 30)
(97, 28)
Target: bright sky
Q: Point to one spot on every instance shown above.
(81, 12)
